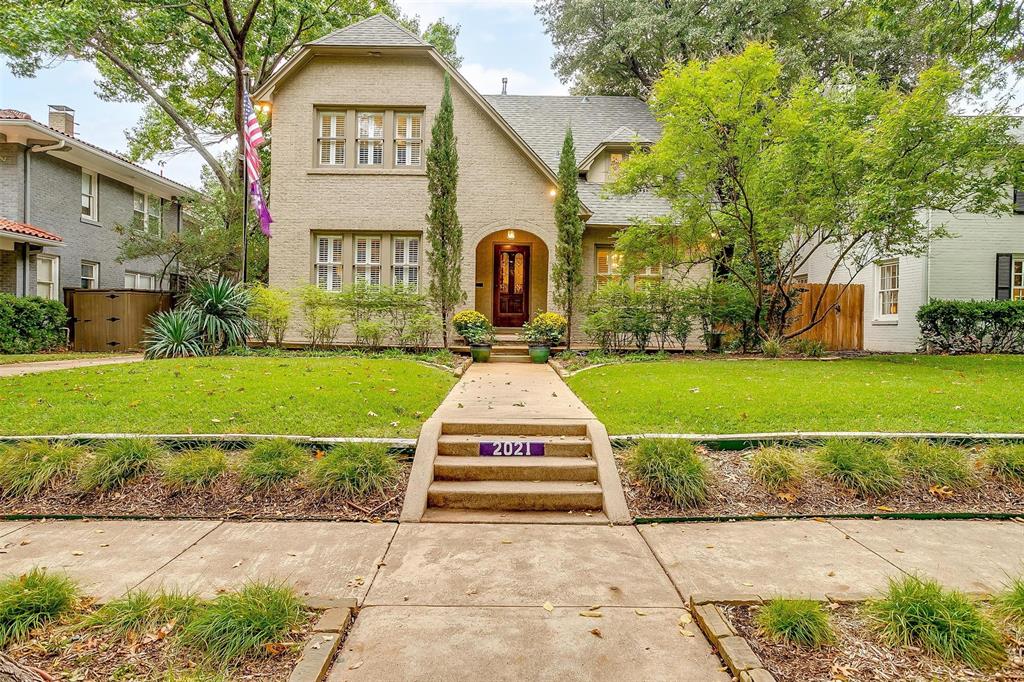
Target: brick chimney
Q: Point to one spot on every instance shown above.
(62, 118)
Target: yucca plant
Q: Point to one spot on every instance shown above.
(174, 334)
(222, 308)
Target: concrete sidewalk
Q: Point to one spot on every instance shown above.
(22, 368)
(504, 601)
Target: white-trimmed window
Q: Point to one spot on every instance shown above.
(615, 160)
(328, 263)
(648, 275)
(47, 276)
(408, 138)
(366, 260)
(89, 195)
(888, 287)
(139, 280)
(332, 138)
(406, 262)
(147, 211)
(90, 274)
(370, 138)
(1017, 279)
(607, 264)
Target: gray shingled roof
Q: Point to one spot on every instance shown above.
(619, 209)
(542, 120)
(378, 31)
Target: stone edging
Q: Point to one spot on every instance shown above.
(741, 660)
(323, 644)
(797, 436)
(199, 438)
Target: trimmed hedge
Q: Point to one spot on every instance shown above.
(30, 324)
(972, 326)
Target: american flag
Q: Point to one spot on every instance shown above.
(253, 137)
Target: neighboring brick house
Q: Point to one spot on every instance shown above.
(352, 114)
(60, 199)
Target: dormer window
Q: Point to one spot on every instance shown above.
(615, 160)
(370, 140)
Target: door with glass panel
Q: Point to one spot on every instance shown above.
(511, 284)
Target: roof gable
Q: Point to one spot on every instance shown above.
(379, 30)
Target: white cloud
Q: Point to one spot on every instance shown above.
(487, 80)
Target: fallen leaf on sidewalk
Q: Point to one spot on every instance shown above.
(591, 614)
(685, 619)
(237, 564)
(549, 607)
(355, 665)
(77, 553)
(639, 612)
(596, 632)
(684, 632)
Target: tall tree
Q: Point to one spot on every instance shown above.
(762, 176)
(185, 59)
(621, 46)
(567, 271)
(444, 233)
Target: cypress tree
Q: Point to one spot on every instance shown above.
(444, 233)
(568, 268)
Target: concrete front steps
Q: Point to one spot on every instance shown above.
(570, 483)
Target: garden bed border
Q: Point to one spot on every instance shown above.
(742, 441)
(733, 649)
(232, 440)
(324, 641)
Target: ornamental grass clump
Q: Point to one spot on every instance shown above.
(31, 600)
(272, 461)
(945, 623)
(140, 612)
(194, 469)
(672, 469)
(798, 621)
(27, 468)
(1006, 462)
(241, 624)
(118, 462)
(865, 467)
(935, 464)
(776, 467)
(355, 470)
(1009, 604)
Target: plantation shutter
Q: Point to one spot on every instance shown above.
(408, 139)
(406, 252)
(332, 138)
(328, 263)
(1004, 264)
(367, 260)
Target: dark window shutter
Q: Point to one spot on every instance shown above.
(1018, 200)
(1004, 263)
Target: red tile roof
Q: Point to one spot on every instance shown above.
(27, 230)
(14, 113)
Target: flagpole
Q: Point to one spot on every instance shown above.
(245, 184)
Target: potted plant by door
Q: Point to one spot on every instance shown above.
(477, 331)
(543, 332)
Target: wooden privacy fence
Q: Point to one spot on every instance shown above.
(842, 328)
(112, 319)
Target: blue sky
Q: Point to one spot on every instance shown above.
(498, 38)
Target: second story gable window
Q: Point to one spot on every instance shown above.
(89, 195)
(332, 138)
(370, 138)
(408, 138)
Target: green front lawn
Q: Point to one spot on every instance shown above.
(310, 396)
(49, 357)
(882, 393)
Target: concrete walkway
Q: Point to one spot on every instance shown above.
(506, 390)
(504, 601)
(21, 368)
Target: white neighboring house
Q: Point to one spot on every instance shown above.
(981, 259)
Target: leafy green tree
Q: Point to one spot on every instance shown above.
(444, 233)
(761, 177)
(621, 46)
(442, 36)
(567, 272)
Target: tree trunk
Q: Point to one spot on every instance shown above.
(12, 671)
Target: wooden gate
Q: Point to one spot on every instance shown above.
(113, 319)
(843, 326)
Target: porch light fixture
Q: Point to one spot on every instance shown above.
(511, 234)
(263, 107)
(553, 191)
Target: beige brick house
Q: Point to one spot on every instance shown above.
(351, 119)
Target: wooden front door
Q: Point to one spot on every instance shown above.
(511, 285)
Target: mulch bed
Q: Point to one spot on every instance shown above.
(735, 493)
(149, 497)
(67, 653)
(858, 655)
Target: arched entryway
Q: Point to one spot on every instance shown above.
(511, 277)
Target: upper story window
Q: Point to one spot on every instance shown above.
(370, 138)
(332, 138)
(148, 213)
(328, 263)
(615, 160)
(888, 289)
(89, 198)
(406, 262)
(366, 260)
(1018, 200)
(408, 139)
